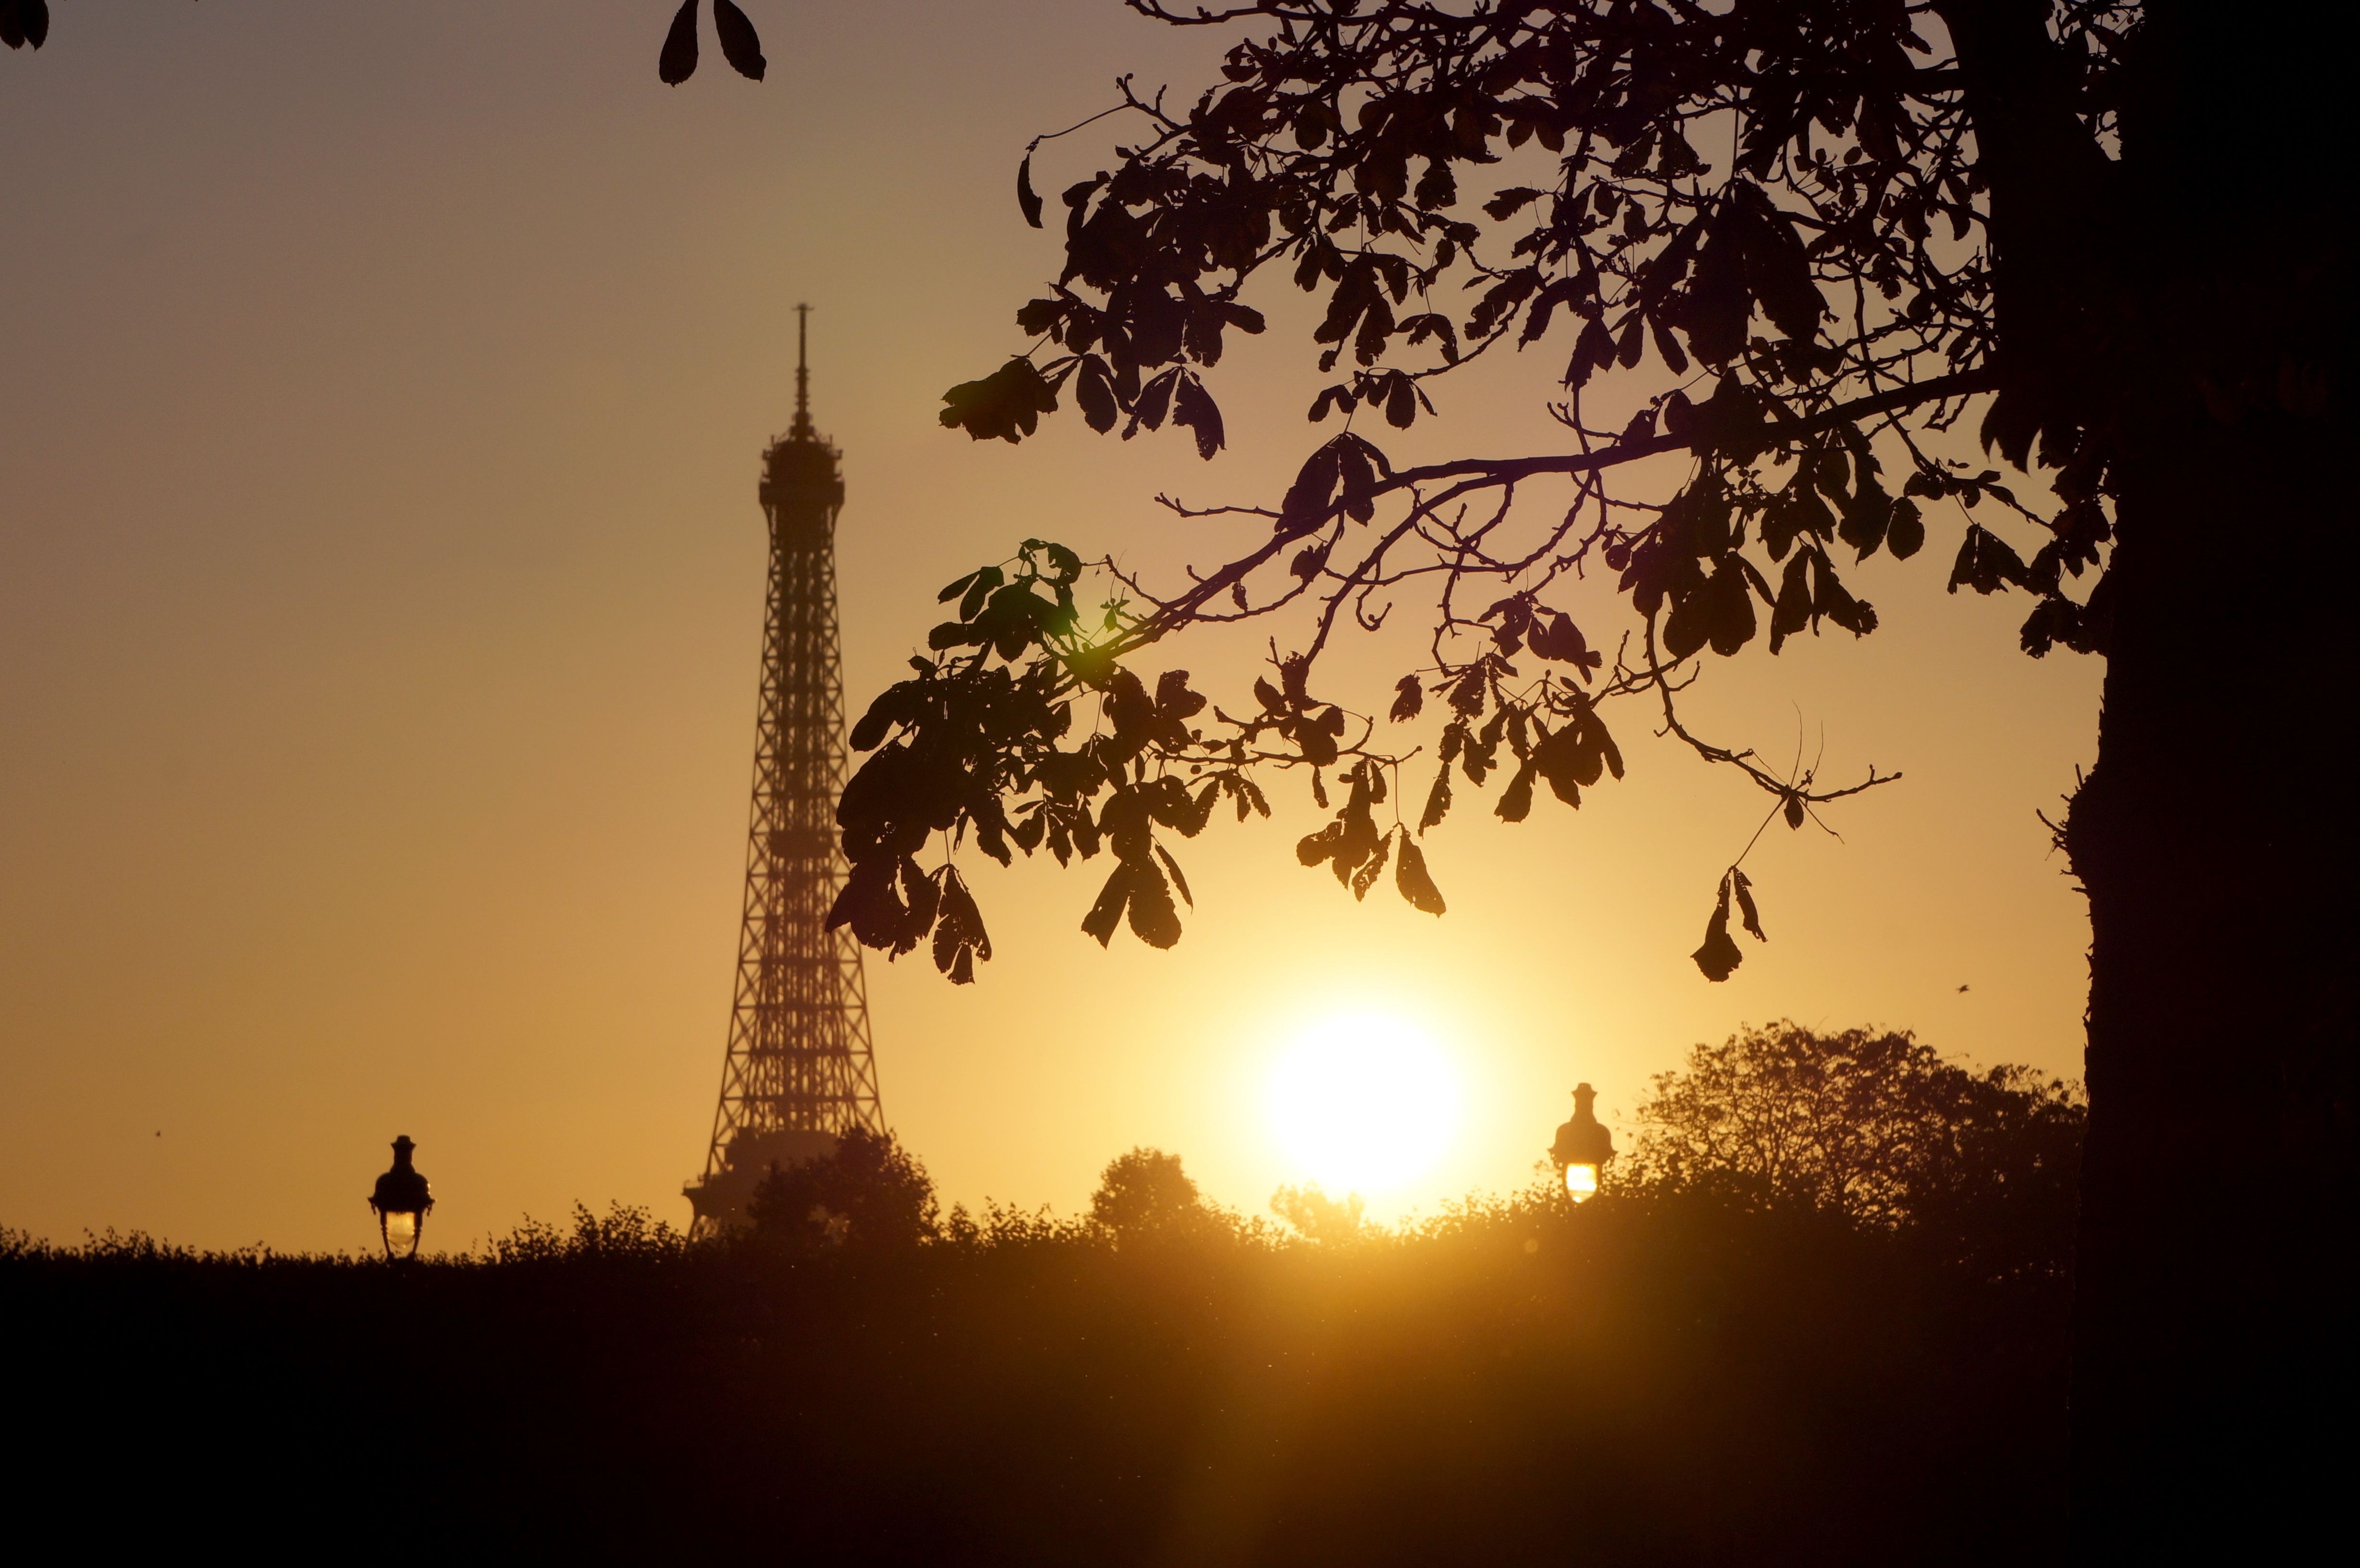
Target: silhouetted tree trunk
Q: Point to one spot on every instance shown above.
(2214, 839)
(2214, 836)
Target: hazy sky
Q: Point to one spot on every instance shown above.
(382, 391)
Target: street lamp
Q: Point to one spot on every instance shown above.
(1582, 1148)
(401, 1199)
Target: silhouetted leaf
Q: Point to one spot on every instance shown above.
(1401, 403)
(892, 707)
(1193, 407)
(1716, 308)
(1174, 702)
(1475, 757)
(1130, 710)
(1632, 343)
(2053, 620)
(1746, 910)
(1719, 957)
(1410, 876)
(740, 44)
(1106, 913)
(1729, 609)
(1560, 758)
(1831, 598)
(1866, 519)
(1008, 403)
(1792, 612)
(866, 894)
(1828, 473)
(1358, 468)
(1555, 636)
(1027, 832)
(1593, 350)
(1437, 800)
(1093, 390)
(980, 588)
(677, 64)
(1154, 920)
(1409, 698)
(1370, 869)
(1594, 733)
(1154, 401)
(1778, 269)
(959, 936)
(1507, 203)
(1028, 201)
(1689, 625)
(1317, 746)
(1668, 346)
(1172, 867)
(1516, 800)
(1347, 464)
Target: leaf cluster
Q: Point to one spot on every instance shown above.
(24, 22)
(1772, 220)
(975, 747)
(740, 45)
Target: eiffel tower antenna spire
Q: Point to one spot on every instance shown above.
(801, 428)
(799, 1071)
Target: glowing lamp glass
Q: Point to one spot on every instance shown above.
(402, 1231)
(1581, 1182)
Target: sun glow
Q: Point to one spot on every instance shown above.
(1363, 1102)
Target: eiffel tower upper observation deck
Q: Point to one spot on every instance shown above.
(799, 1071)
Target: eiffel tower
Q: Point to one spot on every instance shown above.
(799, 1072)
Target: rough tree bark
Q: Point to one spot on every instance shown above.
(2214, 839)
(2214, 836)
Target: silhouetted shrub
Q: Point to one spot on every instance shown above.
(1662, 1377)
(625, 1232)
(870, 1193)
(1875, 1129)
(1144, 1196)
(1318, 1217)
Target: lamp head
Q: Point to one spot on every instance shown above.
(1582, 1147)
(401, 1198)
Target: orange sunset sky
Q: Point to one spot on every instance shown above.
(381, 401)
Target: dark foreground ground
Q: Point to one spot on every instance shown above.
(1632, 1383)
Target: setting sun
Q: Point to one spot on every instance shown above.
(1363, 1102)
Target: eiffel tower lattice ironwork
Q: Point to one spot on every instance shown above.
(800, 1069)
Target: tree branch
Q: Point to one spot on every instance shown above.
(1507, 469)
